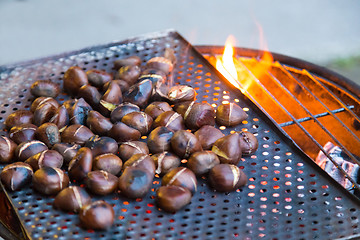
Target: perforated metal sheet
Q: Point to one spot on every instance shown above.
(287, 195)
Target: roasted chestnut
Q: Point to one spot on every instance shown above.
(129, 61)
(182, 177)
(43, 113)
(199, 114)
(27, 149)
(108, 162)
(123, 133)
(135, 182)
(230, 114)
(120, 111)
(97, 123)
(171, 120)
(71, 199)
(183, 108)
(76, 134)
(42, 100)
(160, 63)
(22, 133)
(19, 117)
(248, 142)
(139, 93)
(74, 79)
(159, 139)
(97, 215)
(98, 78)
(16, 175)
(184, 143)
(46, 158)
(226, 177)
(201, 162)
(165, 162)
(208, 135)
(172, 198)
(141, 161)
(124, 86)
(138, 120)
(80, 165)
(101, 182)
(49, 134)
(128, 149)
(91, 95)
(129, 73)
(101, 145)
(67, 150)
(113, 94)
(181, 93)
(228, 149)
(79, 112)
(49, 180)
(154, 109)
(7, 149)
(61, 117)
(44, 88)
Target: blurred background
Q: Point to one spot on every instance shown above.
(323, 32)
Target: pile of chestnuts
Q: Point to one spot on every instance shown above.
(115, 133)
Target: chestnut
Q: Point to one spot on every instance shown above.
(79, 112)
(184, 143)
(159, 139)
(19, 117)
(226, 177)
(49, 180)
(44, 88)
(172, 198)
(171, 120)
(91, 95)
(71, 199)
(46, 158)
(43, 113)
(201, 162)
(7, 149)
(182, 177)
(160, 63)
(22, 133)
(208, 135)
(98, 78)
(101, 145)
(97, 215)
(124, 86)
(16, 175)
(61, 117)
(122, 132)
(128, 149)
(48, 133)
(101, 182)
(129, 61)
(113, 94)
(139, 93)
(228, 149)
(74, 79)
(68, 104)
(230, 114)
(42, 100)
(181, 93)
(108, 162)
(76, 134)
(120, 111)
(199, 115)
(129, 73)
(248, 142)
(66, 150)
(165, 162)
(97, 123)
(141, 161)
(27, 149)
(80, 165)
(154, 109)
(183, 108)
(135, 182)
(138, 120)
(105, 108)
(155, 75)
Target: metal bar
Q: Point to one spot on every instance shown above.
(316, 116)
(297, 123)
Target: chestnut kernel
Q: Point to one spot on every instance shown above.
(74, 79)
(101, 182)
(66, 150)
(120, 111)
(138, 120)
(76, 134)
(71, 199)
(230, 114)
(81, 164)
(201, 162)
(48, 133)
(97, 123)
(200, 114)
(123, 133)
(108, 162)
(130, 148)
(97, 215)
(44, 88)
(141, 161)
(101, 145)
(165, 162)
(171, 120)
(98, 78)
(139, 93)
(228, 149)
(7, 149)
(46, 158)
(184, 143)
(208, 135)
(16, 175)
(23, 133)
(49, 180)
(226, 177)
(27, 149)
(135, 182)
(182, 177)
(159, 139)
(19, 117)
(248, 142)
(181, 93)
(154, 109)
(172, 198)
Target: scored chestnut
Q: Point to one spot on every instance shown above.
(161, 63)
(76, 134)
(42, 100)
(44, 88)
(181, 93)
(18, 117)
(49, 180)
(16, 175)
(184, 143)
(120, 111)
(135, 182)
(79, 111)
(208, 135)
(154, 109)
(122, 133)
(97, 123)
(139, 93)
(98, 78)
(226, 177)
(27, 149)
(108, 162)
(138, 120)
(201, 162)
(165, 162)
(181, 176)
(129, 73)
(81, 164)
(141, 161)
(130, 148)
(97, 215)
(91, 95)
(44, 113)
(172, 198)
(49, 134)
(61, 117)
(101, 182)
(230, 114)
(248, 142)
(228, 149)
(46, 158)
(198, 115)
(7, 149)
(170, 119)
(66, 150)
(74, 79)
(101, 145)
(159, 139)
(71, 199)
(129, 61)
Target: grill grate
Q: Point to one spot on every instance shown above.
(287, 197)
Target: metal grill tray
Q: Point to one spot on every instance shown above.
(287, 196)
